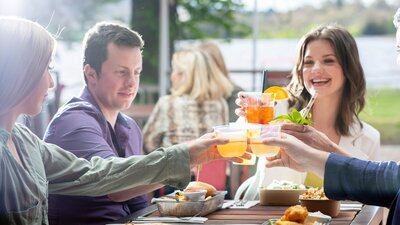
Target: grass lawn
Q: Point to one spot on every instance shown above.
(383, 112)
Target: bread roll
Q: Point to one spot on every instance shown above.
(198, 185)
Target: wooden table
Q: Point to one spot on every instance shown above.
(368, 215)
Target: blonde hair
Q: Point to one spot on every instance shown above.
(25, 51)
(212, 49)
(201, 78)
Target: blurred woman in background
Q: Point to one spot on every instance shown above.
(195, 105)
(212, 49)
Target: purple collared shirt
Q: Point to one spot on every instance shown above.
(80, 127)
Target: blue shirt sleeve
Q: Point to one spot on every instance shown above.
(369, 182)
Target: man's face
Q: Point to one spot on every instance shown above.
(117, 84)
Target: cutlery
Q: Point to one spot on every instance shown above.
(304, 112)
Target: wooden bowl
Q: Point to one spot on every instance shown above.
(326, 206)
(280, 197)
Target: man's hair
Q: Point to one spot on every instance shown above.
(98, 37)
(396, 18)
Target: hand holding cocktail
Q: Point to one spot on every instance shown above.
(237, 137)
(259, 107)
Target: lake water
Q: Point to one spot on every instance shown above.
(378, 57)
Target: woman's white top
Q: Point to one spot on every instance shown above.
(362, 143)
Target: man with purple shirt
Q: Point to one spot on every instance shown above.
(92, 124)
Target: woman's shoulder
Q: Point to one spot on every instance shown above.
(362, 142)
(165, 100)
(22, 128)
(370, 132)
(219, 103)
(24, 133)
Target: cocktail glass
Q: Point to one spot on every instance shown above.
(237, 144)
(259, 107)
(256, 132)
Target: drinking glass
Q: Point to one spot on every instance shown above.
(256, 132)
(237, 144)
(259, 107)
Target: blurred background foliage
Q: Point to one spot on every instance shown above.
(200, 19)
(359, 19)
(189, 19)
(222, 19)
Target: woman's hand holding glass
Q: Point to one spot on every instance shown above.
(256, 107)
(312, 137)
(295, 154)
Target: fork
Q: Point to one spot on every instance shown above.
(240, 202)
(304, 112)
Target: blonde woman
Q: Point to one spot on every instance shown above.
(236, 171)
(212, 49)
(195, 105)
(31, 169)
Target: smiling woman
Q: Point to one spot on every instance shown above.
(328, 62)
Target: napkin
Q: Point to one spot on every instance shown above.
(231, 204)
(350, 206)
(196, 219)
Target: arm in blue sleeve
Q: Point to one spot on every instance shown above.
(369, 182)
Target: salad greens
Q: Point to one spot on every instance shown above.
(295, 117)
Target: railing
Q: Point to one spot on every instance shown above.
(259, 78)
(148, 94)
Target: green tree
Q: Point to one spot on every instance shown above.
(189, 19)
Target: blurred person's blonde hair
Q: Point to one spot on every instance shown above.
(201, 78)
(212, 49)
(26, 49)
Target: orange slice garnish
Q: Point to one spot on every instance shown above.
(280, 92)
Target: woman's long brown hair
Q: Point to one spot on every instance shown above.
(353, 95)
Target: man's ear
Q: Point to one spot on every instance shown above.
(90, 73)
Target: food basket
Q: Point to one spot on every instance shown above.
(171, 207)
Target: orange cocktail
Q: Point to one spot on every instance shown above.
(260, 149)
(237, 144)
(255, 134)
(259, 107)
(262, 114)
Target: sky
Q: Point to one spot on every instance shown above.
(285, 5)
